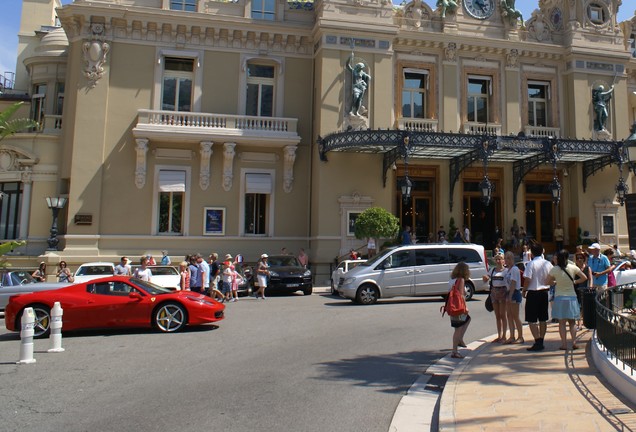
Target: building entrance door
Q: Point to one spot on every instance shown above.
(540, 221)
(417, 214)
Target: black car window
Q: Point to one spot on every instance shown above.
(398, 259)
(110, 288)
(466, 255)
(431, 256)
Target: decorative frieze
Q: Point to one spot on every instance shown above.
(288, 167)
(140, 169)
(95, 51)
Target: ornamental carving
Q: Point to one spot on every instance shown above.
(140, 169)
(204, 174)
(416, 13)
(95, 52)
(512, 58)
(228, 161)
(539, 27)
(450, 52)
(288, 167)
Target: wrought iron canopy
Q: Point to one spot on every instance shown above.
(462, 150)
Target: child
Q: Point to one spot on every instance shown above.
(236, 280)
(460, 322)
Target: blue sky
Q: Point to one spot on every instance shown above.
(10, 24)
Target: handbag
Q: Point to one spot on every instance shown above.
(488, 304)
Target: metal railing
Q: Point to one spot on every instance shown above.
(616, 324)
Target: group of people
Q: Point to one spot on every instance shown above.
(462, 235)
(559, 283)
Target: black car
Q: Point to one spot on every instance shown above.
(287, 275)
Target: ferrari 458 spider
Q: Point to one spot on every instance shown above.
(112, 302)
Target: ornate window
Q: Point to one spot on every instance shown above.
(38, 103)
(415, 93)
(260, 90)
(176, 90)
(257, 189)
(538, 103)
(171, 197)
(264, 9)
(10, 210)
(184, 5)
(478, 101)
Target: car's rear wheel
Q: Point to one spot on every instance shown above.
(367, 294)
(170, 317)
(469, 290)
(42, 323)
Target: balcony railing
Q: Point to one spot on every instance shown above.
(216, 121)
(540, 131)
(52, 124)
(418, 125)
(482, 128)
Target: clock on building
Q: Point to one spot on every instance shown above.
(480, 9)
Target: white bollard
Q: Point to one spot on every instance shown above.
(56, 329)
(26, 337)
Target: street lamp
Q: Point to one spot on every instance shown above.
(485, 186)
(55, 204)
(555, 190)
(621, 189)
(406, 185)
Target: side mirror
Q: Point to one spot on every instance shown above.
(385, 265)
(134, 295)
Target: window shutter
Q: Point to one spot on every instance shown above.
(172, 181)
(258, 183)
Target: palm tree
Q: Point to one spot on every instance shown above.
(10, 127)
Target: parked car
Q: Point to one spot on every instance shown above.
(287, 275)
(414, 270)
(624, 273)
(340, 271)
(115, 302)
(21, 282)
(164, 276)
(93, 270)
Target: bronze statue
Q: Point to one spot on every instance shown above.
(600, 98)
(359, 84)
(447, 5)
(508, 10)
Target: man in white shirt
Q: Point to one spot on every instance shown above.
(536, 293)
(123, 268)
(466, 234)
(204, 268)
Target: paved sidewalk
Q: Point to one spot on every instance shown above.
(506, 388)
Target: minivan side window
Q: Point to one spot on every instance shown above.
(397, 260)
(466, 255)
(431, 256)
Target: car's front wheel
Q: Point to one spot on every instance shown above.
(308, 290)
(170, 317)
(42, 323)
(367, 294)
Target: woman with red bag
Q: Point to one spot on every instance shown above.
(456, 306)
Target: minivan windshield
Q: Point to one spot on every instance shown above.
(379, 257)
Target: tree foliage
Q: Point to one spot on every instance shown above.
(10, 126)
(376, 222)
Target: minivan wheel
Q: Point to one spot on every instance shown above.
(469, 291)
(367, 294)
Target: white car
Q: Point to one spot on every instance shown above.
(624, 274)
(339, 272)
(164, 276)
(93, 270)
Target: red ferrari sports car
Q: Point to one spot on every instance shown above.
(115, 301)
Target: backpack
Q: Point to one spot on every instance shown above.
(455, 303)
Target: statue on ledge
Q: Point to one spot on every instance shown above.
(508, 10)
(447, 5)
(600, 99)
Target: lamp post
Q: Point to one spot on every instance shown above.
(555, 186)
(485, 186)
(406, 186)
(55, 204)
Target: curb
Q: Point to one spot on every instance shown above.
(423, 405)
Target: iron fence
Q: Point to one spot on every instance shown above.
(616, 324)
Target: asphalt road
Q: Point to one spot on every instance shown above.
(288, 363)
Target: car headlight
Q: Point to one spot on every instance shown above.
(199, 300)
(273, 273)
(307, 273)
(349, 280)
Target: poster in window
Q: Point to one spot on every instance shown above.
(351, 222)
(608, 224)
(214, 221)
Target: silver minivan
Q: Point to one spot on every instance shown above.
(414, 270)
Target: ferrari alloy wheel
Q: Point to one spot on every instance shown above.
(42, 323)
(170, 317)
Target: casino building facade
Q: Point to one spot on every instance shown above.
(252, 125)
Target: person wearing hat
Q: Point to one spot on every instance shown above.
(599, 265)
(262, 273)
(165, 259)
(227, 276)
